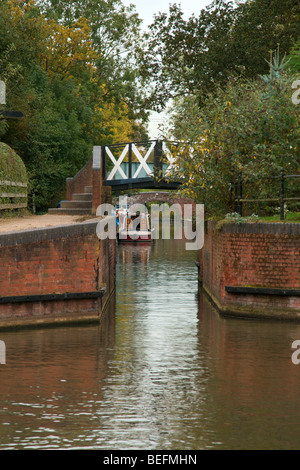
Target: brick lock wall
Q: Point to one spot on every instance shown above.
(83, 178)
(57, 260)
(254, 256)
(89, 176)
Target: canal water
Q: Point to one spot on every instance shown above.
(163, 371)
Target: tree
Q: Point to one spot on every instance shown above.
(52, 73)
(197, 55)
(249, 127)
(50, 136)
(261, 27)
(186, 56)
(114, 32)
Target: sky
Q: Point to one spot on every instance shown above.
(146, 10)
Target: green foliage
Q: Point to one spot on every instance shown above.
(12, 167)
(262, 26)
(61, 72)
(78, 71)
(12, 170)
(248, 127)
(226, 40)
(294, 58)
(115, 32)
(276, 65)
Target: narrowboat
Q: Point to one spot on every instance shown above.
(134, 226)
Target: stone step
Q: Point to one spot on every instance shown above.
(88, 189)
(69, 211)
(76, 205)
(82, 197)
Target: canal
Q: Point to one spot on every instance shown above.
(163, 371)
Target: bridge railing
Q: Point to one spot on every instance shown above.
(136, 160)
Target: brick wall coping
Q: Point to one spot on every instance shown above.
(49, 233)
(263, 228)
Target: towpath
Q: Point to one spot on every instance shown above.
(18, 224)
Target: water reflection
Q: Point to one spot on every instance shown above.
(132, 253)
(49, 386)
(162, 371)
(254, 385)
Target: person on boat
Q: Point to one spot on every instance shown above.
(137, 218)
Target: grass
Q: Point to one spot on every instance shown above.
(289, 217)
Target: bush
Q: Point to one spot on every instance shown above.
(249, 127)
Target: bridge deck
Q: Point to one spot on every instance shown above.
(141, 183)
(137, 165)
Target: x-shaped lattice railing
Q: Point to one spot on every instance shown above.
(117, 163)
(131, 149)
(142, 159)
